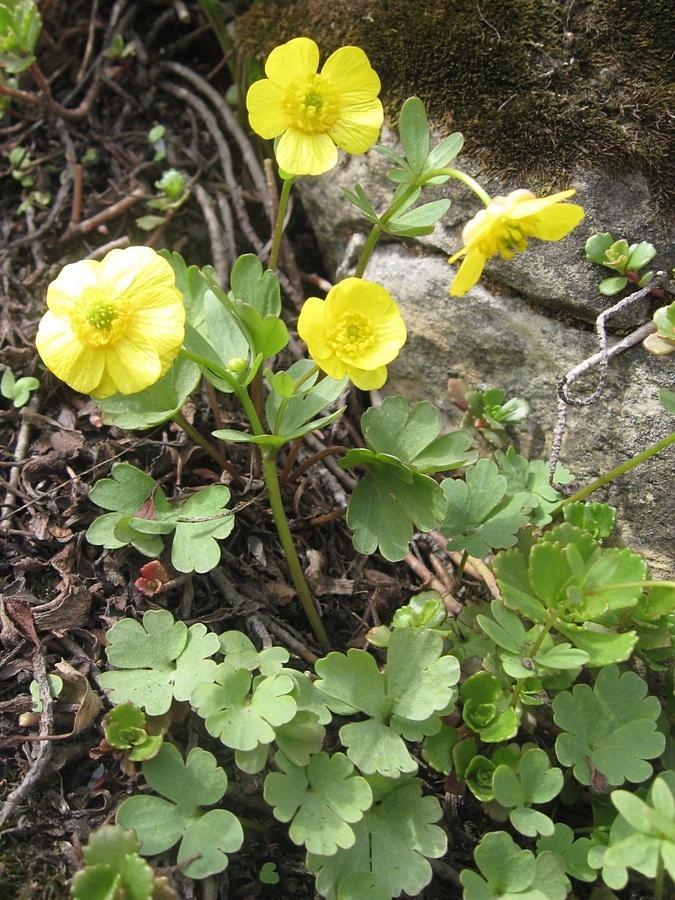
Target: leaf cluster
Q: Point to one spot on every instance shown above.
(20, 27)
(621, 258)
(141, 515)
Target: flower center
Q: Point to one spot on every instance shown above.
(313, 107)
(98, 320)
(351, 335)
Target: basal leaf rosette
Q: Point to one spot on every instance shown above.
(356, 331)
(113, 325)
(314, 113)
(505, 226)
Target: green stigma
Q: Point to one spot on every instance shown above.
(101, 315)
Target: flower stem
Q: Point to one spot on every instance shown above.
(279, 228)
(269, 456)
(368, 248)
(470, 182)
(619, 470)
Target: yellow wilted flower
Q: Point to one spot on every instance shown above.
(114, 325)
(315, 112)
(356, 331)
(505, 226)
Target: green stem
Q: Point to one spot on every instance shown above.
(376, 230)
(269, 456)
(619, 470)
(658, 881)
(534, 649)
(470, 182)
(279, 228)
(462, 563)
(368, 248)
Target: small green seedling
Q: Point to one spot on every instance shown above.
(18, 390)
(132, 736)
(663, 342)
(626, 261)
(114, 869)
(172, 195)
(488, 412)
(20, 27)
(156, 138)
(120, 49)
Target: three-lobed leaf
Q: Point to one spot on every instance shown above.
(160, 822)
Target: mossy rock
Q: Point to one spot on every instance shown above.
(538, 88)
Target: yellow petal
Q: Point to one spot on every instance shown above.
(358, 127)
(165, 328)
(302, 153)
(351, 74)
(267, 115)
(66, 289)
(530, 205)
(131, 367)
(312, 328)
(371, 380)
(143, 274)
(469, 273)
(554, 223)
(292, 61)
(332, 366)
(79, 366)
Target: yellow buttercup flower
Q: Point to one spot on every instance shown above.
(356, 331)
(315, 113)
(505, 226)
(114, 325)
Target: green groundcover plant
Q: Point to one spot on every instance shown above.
(345, 752)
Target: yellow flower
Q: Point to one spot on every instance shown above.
(114, 325)
(505, 226)
(315, 112)
(356, 331)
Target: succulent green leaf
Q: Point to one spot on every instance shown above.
(610, 286)
(160, 822)
(113, 867)
(157, 403)
(268, 873)
(321, 800)
(597, 246)
(667, 400)
(640, 255)
(226, 335)
(412, 436)
(394, 840)
(612, 726)
(20, 27)
(241, 711)
(513, 579)
(478, 776)
(603, 647)
(157, 661)
(480, 517)
(486, 708)
(598, 519)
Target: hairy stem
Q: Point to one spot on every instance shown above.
(279, 228)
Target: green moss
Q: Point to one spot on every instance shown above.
(538, 88)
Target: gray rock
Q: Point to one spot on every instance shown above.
(521, 328)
